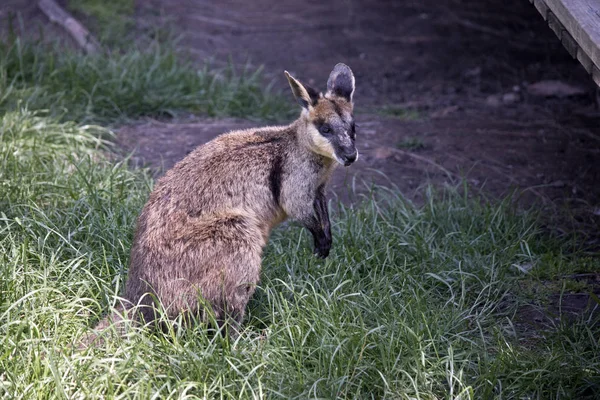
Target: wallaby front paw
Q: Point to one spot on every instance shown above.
(322, 248)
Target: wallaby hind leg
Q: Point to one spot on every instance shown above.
(219, 268)
(236, 285)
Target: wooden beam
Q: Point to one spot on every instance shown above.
(541, 7)
(58, 15)
(581, 18)
(585, 61)
(577, 25)
(570, 43)
(596, 75)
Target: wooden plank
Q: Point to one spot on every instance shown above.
(581, 19)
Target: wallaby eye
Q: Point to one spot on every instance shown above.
(352, 130)
(325, 129)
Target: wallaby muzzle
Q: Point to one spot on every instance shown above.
(350, 158)
(347, 156)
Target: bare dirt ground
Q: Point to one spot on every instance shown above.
(442, 92)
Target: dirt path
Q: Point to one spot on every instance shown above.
(452, 79)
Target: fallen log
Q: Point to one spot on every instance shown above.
(58, 15)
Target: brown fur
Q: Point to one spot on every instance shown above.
(203, 229)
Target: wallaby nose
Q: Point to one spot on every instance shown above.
(350, 158)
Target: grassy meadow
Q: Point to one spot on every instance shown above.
(112, 88)
(430, 301)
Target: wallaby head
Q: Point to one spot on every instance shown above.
(328, 120)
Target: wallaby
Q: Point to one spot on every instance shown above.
(200, 236)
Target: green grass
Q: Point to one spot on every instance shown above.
(112, 88)
(415, 302)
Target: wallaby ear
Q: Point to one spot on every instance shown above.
(304, 94)
(341, 82)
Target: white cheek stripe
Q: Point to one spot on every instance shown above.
(338, 159)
